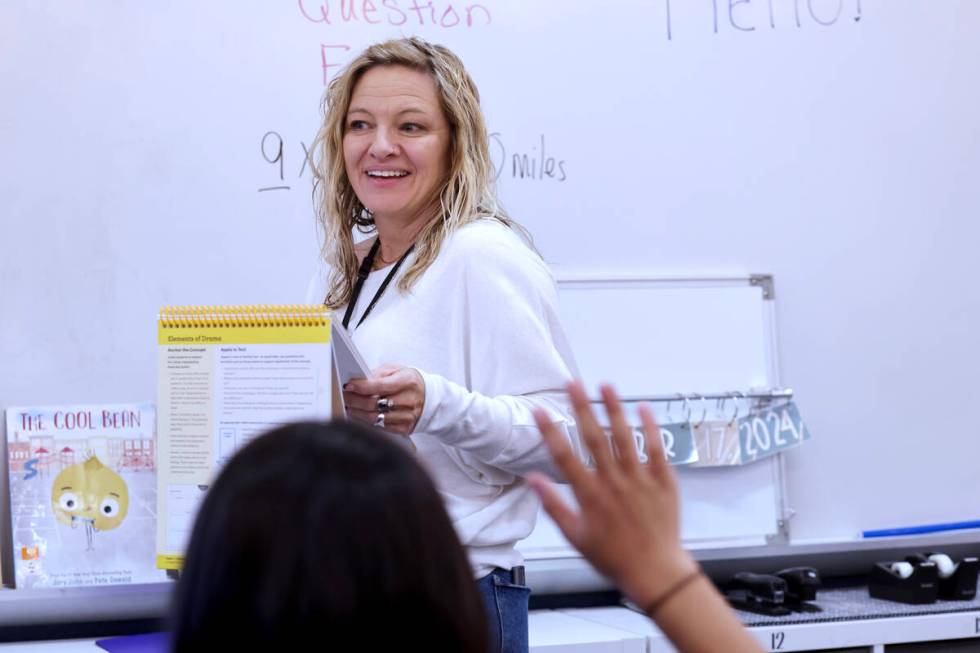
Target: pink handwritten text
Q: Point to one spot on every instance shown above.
(395, 12)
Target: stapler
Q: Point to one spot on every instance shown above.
(759, 593)
(914, 581)
(801, 587)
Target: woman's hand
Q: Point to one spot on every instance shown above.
(402, 387)
(628, 524)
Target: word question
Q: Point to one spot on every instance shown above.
(391, 13)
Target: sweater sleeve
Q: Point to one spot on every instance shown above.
(516, 357)
(499, 431)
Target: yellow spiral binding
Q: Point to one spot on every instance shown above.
(256, 315)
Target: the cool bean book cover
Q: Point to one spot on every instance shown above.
(83, 494)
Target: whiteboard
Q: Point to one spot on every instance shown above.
(664, 336)
(832, 143)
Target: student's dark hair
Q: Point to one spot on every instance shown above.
(325, 537)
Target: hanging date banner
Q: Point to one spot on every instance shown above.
(767, 431)
(677, 443)
(738, 440)
(761, 433)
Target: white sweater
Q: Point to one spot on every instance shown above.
(481, 325)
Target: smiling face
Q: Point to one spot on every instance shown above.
(396, 144)
(90, 492)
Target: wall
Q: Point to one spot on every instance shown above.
(154, 154)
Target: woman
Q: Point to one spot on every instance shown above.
(446, 302)
(325, 537)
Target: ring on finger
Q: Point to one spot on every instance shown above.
(384, 404)
(379, 421)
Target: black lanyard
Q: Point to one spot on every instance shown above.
(362, 275)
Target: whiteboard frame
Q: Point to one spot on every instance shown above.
(560, 569)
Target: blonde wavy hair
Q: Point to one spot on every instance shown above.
(467, 194)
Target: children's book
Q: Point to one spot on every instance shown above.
(83, 494)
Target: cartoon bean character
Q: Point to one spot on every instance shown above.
(91, 494)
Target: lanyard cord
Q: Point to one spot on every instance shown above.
(362, 275)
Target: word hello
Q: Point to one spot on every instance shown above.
(750, 15)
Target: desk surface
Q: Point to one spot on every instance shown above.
(550, 632)
(615, 629)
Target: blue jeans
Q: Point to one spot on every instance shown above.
(506, 605)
